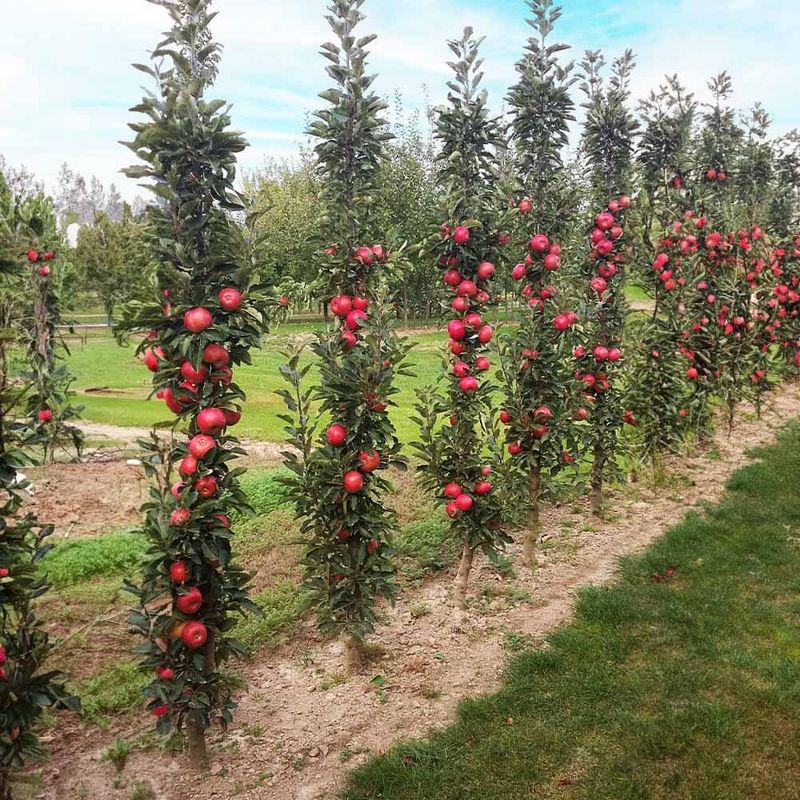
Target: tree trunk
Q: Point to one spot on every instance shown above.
(195, 734)
(462, 577)
(534, 526)
(5, 785)
(353, 654)
(596, 492)
(198, 752)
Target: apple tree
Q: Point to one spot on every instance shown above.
(338, 483)
(205, 316)
(27, 688)
(455, 419)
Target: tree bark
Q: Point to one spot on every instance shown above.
(353, 654)
(462, 577)
(596, 492)
(534, 523)
(198, 752)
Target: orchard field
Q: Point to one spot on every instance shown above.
(455, 457)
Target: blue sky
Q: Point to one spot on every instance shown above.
(66, 83)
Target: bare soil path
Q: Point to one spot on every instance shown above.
(303, 723)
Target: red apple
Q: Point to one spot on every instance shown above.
(353, 482)
(336, 435)
(485, 270)
(194, 634)
(461, 235)
(482, 487)
(211, 421)
(190, 602)
(452, 490)
(201, 445)
(464, 502)
(206, 487)
(354, 319)
(33, 256)
(179, 572)
(180, 517)
(369, 461)
(198, 319)
(229, 298)
(164, 673)
(216, 355)
(188, 466)
(468, 384)
(192, 374)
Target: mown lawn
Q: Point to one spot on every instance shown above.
(125, 384)
(680, 680)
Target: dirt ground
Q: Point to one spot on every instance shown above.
(303, 722)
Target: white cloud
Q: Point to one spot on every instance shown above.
(66, 98)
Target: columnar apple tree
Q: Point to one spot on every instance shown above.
(542, 110)
(49, 404)
(468, 245)
(204, 318)
(26, 689)
(338, 484)
(534, 354)
(608, 145)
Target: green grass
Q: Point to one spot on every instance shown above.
(425, 546)
(101, 556)
(115, 690)
(126, 384)
(281, 606)
(681, 684)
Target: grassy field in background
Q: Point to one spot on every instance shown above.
(99, 363)
(680, 680)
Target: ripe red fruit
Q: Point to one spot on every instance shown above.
(369, 461)
(229, 298)
(190, 602)
(451, 509)
(45, 415)
(485, 270)
(201, 445)
(223, 519)
(33, 256)
(486, 471)
(179, 517)
(211, 421)
(151, 359)
(692, 373)
(193, 375)
(561, 323)
(216, 355)
(472, 320)
(364, 255)
(456, 329)
(460, 304)
(360, 304)
(518, 273)
(485, 334)
(188, 466)
(197, 319)
(354, 319)
(468, 384)
(283, 301)
(600, 353)
(525, 206)
(457, 348)
(160, 711)
(542, 413)
(194, 634)
(551, 262)
(482, 487)
(539, 243)
(232, 417)
(341, 305)
(515, 448)
(176, 489)
(173, 404)
(505, 417)
(452, 490)
(343, 534)
(164, 673)
(349, 339)
(44, 271)
(461, 235)
(452, 277)
(353, 482)
(580, 414)
(467, 289)
(336, 434)
(461, 369)
(614, 354)
(464, 502)
(482, 363)
(179, 572)
(206, 487)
